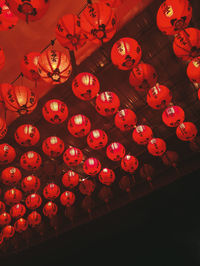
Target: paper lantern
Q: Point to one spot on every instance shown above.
(7, 153)
(30, 160)
(27, 135)
(2, 206)
(186, 131)
(29, 66)
(107, 103)
(53, 146)
(30, 183)
(112, 3)
(2, 58)
(142, 134)
(11, 176)
(173, 116)
(193, 70)
(51, 191)
(3, 128)
(72, 156)
(67, 198)
(34, 219)
(156, 147)
(12, 196)
(97, 139)
(85, 86)
(50, 209)
(55, 111)
(86, 187)
(5, 218)
(170, 158)
(91, 166)
(70, 179)
(21, 225)
(8, 231)
(17, 211)
(107, 176)
(129, 163)
(79, 125)
(33, 201)
(126, 53)
(115, 151)
(125, 119)
(7, 19)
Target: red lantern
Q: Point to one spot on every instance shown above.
(7, 19)
(2, 206)
(173, 116)
(92, 166)
(30, 160)
(27, 135)
(107, 103)
(5, 218)
(70, 179)
(79, 125)
(112, 3)
(186, 44)
(143, 77)
(186, 131)
(30, 183)
(98, 22)
(12, 196)
(21, 225)
(73, 156)
(54, 66)
(11, 176)
(97, 139)
(55, 111)
(126, 53)
(33, 201)
(2, 58)
(67, 198)
(129, 163)
(146, 172)
(159, 97)
(53, 146)
(7, 153)
(199, 94)
(29, 66)
(51, 191)
(125, 119)
(193, 70)
(50, 209)
(34, 219)
(86, 187)
(8, 231)
(156, 147)
(107, 176)
(3, 128)
(170, 158)
(115, 151)
(174, 16)
(17, 211)
(105, 194)
(142, 134)
(85, 86)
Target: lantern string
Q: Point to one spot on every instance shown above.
(20, 75)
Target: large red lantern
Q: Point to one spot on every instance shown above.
(17, 211)
(21, 225)
(129, 163)
(143, 77)
(34, 219)
(7, 153)
(186, 131)
(30, 160)
(156, 147)
(50, 209)
(67, 198)
(115, 151)
(86, 187)
(107, 176)
(73, 156)
(55, 111)
(27, 135)
(2, 58)
(142, 134)
(70, 179)
(126, 53)
(5, 218)
(51, 191)
(7, 19)
(29, 66)
(12, 196)
(54, 66)
(3, 128)
(85, 86)
(173, 16)
(8, 231)
(193, 70)
(11, 176)
(92, 166)
(2, 206)
(30, 183)
(79, 125)
(53, 146)
(107, 103)
(33, 201)
(125, 119)
(97, 139)
(173, 116)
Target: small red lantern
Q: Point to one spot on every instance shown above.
(30, 183)
(11, 176)
(3, 128)
(79, 125)
(17, 211)
(67, 198)
(193, 70)
(7, 19)
(33, 201)
(129, 163)
(186, 131)
(107, 176)
(143, 77)
(115, 151)
(5, 218)
(55, 111)
(107, 103)
(8, 231)
(159, 97)
(85, 86)
(2, 206)
(98, 22)
(21, 225)
(125, 119)
(2, 58)
(97, 139)
(50, 209)
(34, 219)
(51, 191)
(126, 53)
(156, 147)
(53, 146)
(12, 196)
(70, 179)
(112, 3)
(54, 66)
(142, 134)
(86, 187)
(30, 160)
(7, 153)
(27, 135)
(92, 166)
(73, 156)
(29, 66)
(173, 116)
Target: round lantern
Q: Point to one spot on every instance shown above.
(98, 22)
(53, 146)
(79, 125)
(159, 97)
(2, 206)
(17, 211)
(73, 156)
(30, 183)
(86, 187)
(7, 19)
(173, 116)
(174, 16)
(3, 128)
(92, 166)
(29, 66)
(54, 66)
(112, 3)
(12, 196)
(27, 135)
(186, 131)
(129, 163)
(193, 70)
(85, 86)
(7, 153)
(156, 147)
(115, 151)
(50, 209)
(107, 176)
(34, 219)
(186, 44)
(70, 179)
(125, 119)
(143, 77)
(107, 103)
(30, 160)
(97, 139)
(142, 134)
(21, 225)
(51, 191)
(33, 201)
(5, 218)
(11, 176)
(126, 53)
(8, 231)
(67, 198)
(55, 111)
(2, 58)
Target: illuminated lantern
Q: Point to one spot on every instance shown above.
(129, 163)
(186, 44)
(34, 219)
(53, 146)
(33, 201)
(11, 176)
(2, 58)
(92, 166)
(67, 198)
(27, 135)
(170, 158)
(143, 77)
(112, 3)
(86, 187)
(3, 128)
(173, 16)
(8, 231)
(186, 131)
(85, 86)
(125, 119)
(107, 176)
(173, 116)
(54, 66)
(126, 53)
(159, 97)
(142, 134)
(79, 125)
(50, 209)
(2, 206)
(107, 103)
(97, 139)
(12, 196)
(30, 160)
(21, 225)
(7, 153)
(193, 70)
(30, 183)
(51, 191)
(70, 179)
(7, 19)
(156, 147)
(17, 210)
(29, 66)
(5, 218)
(55, 111)
(115, 151)
(73, 156)
(98, 22)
